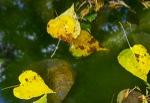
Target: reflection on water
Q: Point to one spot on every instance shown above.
(19, 4)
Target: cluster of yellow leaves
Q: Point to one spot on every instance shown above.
(136, 60)
(32, 85)
(67, 27)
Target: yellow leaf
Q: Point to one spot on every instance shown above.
(43, 99)
(66, 26)
(32, 85)
(136, 60)
(85, 44)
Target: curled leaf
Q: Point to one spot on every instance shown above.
(65, 27)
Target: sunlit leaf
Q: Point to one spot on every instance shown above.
(32, 85)
(43, 99)
(136, 60)
(85, 44)
(65, 27)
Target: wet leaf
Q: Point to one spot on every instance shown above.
(32, 85)
(85, 44)
(65, 27)
(136, 60)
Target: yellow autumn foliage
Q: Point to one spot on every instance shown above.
(85, 44)
(32, 85)
(136, 60)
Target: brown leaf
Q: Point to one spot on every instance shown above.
(146, 4)
(98, 4)
(85, 11)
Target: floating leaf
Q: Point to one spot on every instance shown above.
(66, 26)
(43, 99)
(32, 85)
(85, 44)
(136, 60)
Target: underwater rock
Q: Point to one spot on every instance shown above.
(58, 75)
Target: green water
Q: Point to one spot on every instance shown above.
(99, 77)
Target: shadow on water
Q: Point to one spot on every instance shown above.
(99, 77)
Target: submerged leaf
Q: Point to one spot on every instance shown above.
(131, 97)
(136, 60)
(85, 44)
(32, 85)
(65, 27)
(43, 99)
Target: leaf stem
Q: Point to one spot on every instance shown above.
(56, 48)
(125, 35)
(10, 87)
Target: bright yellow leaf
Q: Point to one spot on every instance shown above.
(136, 60)
(65, 27)
(85, 44)
(32, 85)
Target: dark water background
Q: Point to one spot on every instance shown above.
(99, 77)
